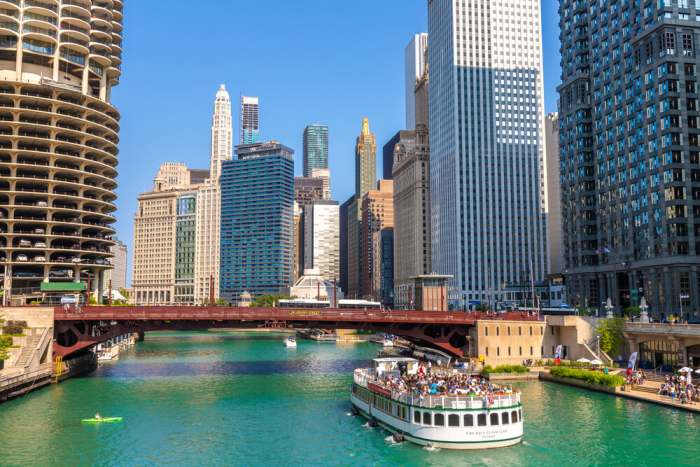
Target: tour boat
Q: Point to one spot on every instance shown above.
(290, 341)
(438, 421)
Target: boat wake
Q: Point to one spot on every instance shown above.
(367, 425)
(348, 414)
(391, 441)
(431, 449)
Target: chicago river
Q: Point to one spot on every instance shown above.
(244, 399)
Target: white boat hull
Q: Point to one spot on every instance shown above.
(465, 438)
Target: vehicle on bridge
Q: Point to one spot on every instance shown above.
(343, 304)
(470, 415)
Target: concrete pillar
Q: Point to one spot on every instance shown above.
(667, 278)
(655, 278)
(694, 293)
(86, 75)
(614, 293)
(99, 275)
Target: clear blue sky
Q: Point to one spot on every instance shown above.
(307, 60)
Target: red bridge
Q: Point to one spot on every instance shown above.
(77, 330)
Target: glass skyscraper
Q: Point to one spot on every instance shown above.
(315, 148)
(257, 208)
(250, 120)
(486, 145)
(630, 159)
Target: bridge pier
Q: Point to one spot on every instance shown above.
(141, 336)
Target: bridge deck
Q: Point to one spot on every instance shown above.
(193, 313)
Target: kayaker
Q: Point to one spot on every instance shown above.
(98, 416)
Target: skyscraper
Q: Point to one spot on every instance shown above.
(377, 215)
(415, 63)
(388, 152)
(165, 238)
(257, 209)
(321, 238)
(315, 148)
(221, 133)
(486, 151)
(59, 134)
(412, 245)
(629, 153)
(365, 180)
(553, 194)
(117, 275)
(250, 120)
(365, 160)
(208, 204)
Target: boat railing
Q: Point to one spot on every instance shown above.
(362, 377)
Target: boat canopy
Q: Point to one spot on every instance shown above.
(393, 364)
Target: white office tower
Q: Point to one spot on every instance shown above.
(322, 238)
(415, 62)
(221, 133)
(486, 145)
(208, 217)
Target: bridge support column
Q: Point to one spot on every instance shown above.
(141, 336)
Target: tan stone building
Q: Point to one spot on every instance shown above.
(153, 262)
(412, 246)
(511, 342)
(377, 215)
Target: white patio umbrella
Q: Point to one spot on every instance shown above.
(596, 362)
(583, 360)
(697, 371)
(686, 370)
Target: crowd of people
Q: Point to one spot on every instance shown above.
(636, 378)
(429, 382)
(681, 389)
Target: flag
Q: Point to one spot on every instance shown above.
(632, 361)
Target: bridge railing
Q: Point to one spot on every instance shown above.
(140, 313)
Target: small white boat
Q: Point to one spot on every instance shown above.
(290, 341)
(387, 342)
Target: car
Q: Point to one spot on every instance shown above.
(41, 204)
(21, 258)
(61, 273)
(24, 274)
(60, 259)
(25, 243)
(39, 259)
(75, 260)
(40, 245)
(39, 231)
(100, 261)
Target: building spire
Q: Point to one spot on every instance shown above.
(221, 133)
(365, 126)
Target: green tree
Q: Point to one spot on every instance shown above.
(5, 343)
(482, 307)
(267, 301)
(222, 302)
(611, 336)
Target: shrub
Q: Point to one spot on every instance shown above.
(591, 377)
(5, 343)
(517, 369)
(14, 328)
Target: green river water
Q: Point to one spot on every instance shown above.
(244, 399)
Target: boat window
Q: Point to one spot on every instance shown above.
(494, 419)
(416, 417)
(481, 419)
(504, 418)
(427, 419)
(453, 420)
(514, 416)
(469, 420)
(439, 419)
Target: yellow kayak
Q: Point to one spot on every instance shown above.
(102, 420)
